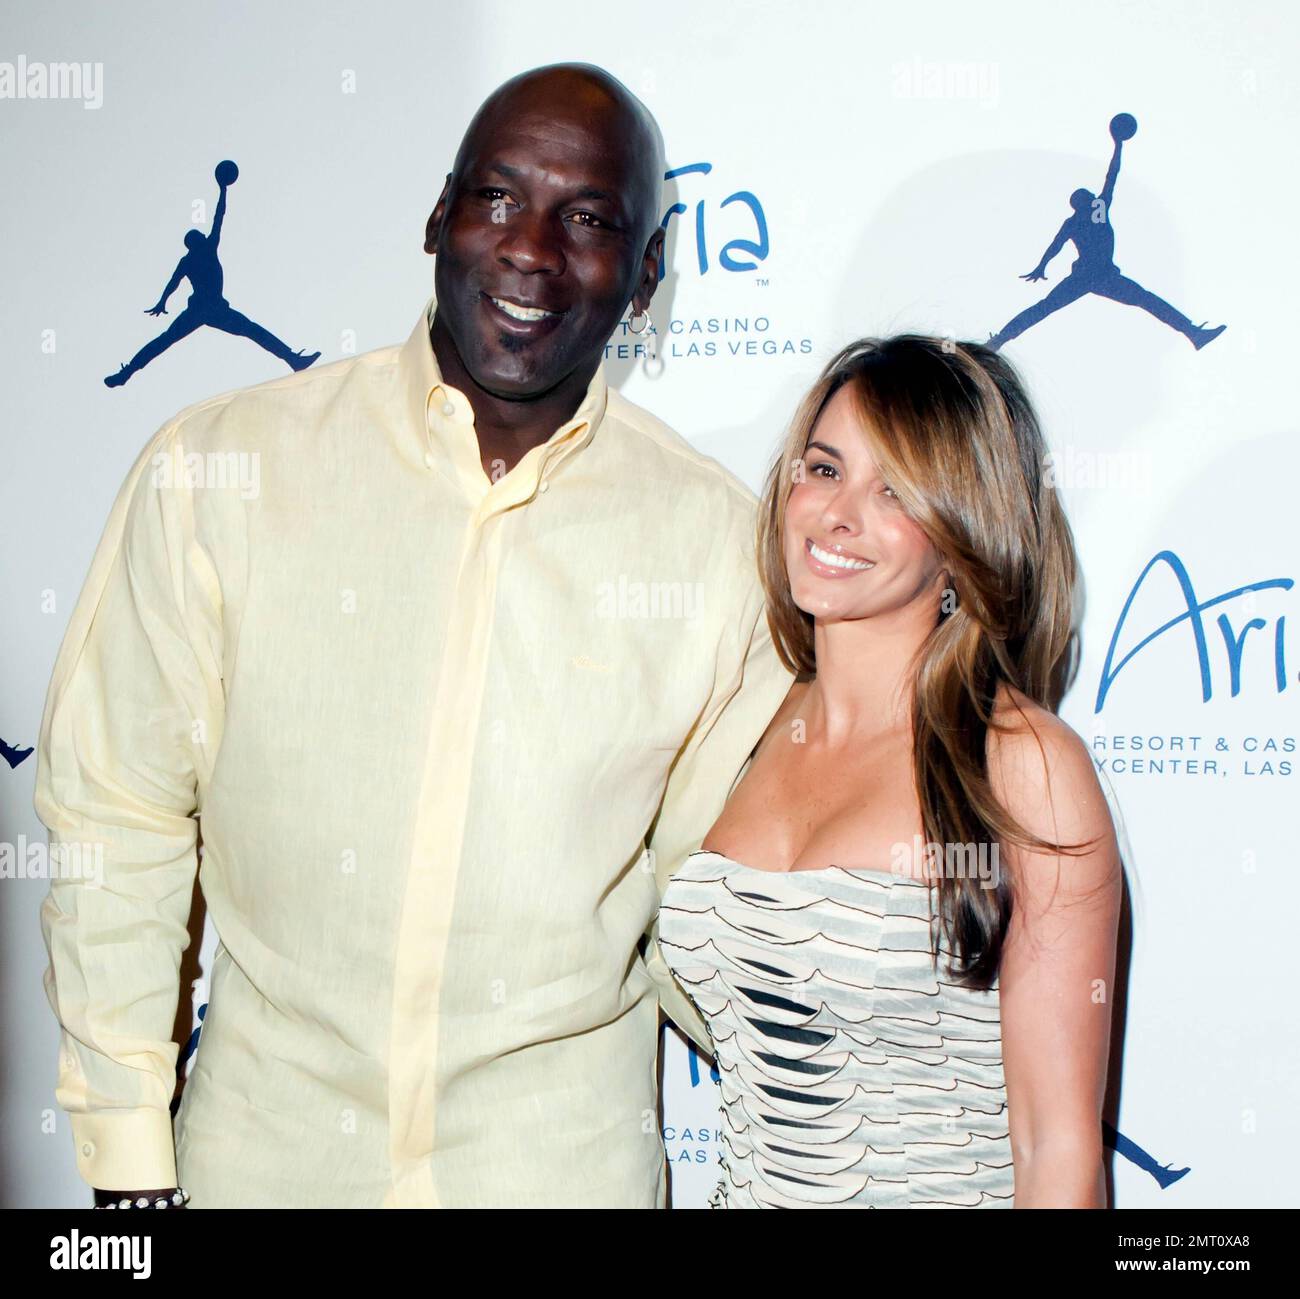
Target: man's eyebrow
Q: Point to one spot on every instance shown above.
(830, 451)
(588, 192)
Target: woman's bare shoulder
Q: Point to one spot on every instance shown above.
(1039, 766)
(1020, 720)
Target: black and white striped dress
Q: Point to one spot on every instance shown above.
(851, 1076)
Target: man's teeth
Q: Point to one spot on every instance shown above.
(522, 313)
(837, 561)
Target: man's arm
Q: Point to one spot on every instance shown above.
(160, 307)
(132, 716)
(1107, 194)
(748, 692)
(1040, 271)
(214, 235)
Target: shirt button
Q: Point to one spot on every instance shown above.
(544, 485)
(448, 408)
(428, 459)
(88, 1149)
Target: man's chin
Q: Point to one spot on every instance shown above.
(511, 384)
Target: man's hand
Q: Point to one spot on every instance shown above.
(157, 310)
(1038, 273)
(111, 1197)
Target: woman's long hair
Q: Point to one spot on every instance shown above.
(953, 433)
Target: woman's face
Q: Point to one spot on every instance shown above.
(850, 550)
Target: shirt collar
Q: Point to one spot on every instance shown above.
(439, 429)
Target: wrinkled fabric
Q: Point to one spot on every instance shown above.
(446, 739)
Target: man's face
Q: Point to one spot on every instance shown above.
(544, 223)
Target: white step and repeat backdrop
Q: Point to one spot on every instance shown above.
(841, 169)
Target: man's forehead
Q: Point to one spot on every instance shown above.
(568, 149)
(528, 133)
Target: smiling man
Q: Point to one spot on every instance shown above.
(451, 697)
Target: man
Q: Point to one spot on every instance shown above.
(444, 740)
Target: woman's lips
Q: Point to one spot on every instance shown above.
(829, 568)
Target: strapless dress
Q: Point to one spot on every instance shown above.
(852, 1075)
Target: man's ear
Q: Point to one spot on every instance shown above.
(434, 222)
(649, 281)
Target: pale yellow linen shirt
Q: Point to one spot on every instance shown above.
(427, 722)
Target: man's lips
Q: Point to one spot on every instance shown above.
(499, 309)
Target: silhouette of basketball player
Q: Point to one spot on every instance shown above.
(1165, 1174)
(13, 754)
(206, 306)
(1094, 271)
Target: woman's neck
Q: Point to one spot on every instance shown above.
(865, 678)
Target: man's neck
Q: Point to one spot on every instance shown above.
(508, 429)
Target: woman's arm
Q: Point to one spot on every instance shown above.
(1058, 966)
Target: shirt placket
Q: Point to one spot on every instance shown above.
(442, 812)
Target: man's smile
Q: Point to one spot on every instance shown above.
(526, 320)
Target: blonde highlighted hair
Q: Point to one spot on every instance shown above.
(953, 433)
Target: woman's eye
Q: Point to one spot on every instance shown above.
(824, 464)
(889, 491)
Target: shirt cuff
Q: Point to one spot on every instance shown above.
(125, 1150)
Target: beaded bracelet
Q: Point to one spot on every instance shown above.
(177, 1198)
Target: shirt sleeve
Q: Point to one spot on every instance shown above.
(132, 718)
(744, 701)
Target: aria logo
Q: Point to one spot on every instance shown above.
(1239, 601)
(756, 248)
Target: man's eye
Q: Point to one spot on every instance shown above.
(592, 219)
(489, 193)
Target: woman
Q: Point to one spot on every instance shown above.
(901, 929)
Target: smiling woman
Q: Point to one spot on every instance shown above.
(894, 1032)
(942, 454)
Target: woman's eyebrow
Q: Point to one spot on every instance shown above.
(830, 451)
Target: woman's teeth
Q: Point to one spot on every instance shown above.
(837, 561)
(522, 313)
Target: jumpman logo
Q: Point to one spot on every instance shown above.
(191, 1046)
(1094, 271)
(206, 306)
(1164, 1174)
(13, 754)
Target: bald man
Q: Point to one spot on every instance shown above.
(450, 696)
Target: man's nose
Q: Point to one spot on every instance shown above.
(531, 243)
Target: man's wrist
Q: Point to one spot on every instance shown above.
(170, 1196)
(125, 1148)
